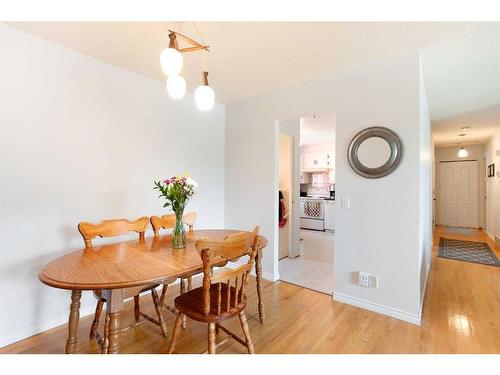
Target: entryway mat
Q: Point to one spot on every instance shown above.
(467, 251)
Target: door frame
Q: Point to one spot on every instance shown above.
(293, 214)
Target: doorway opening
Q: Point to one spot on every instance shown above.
(460, 187)
(306, 220)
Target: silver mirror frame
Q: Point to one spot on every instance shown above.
(389, 166)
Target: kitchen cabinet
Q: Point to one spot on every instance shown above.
(329, 215)
(317, 161)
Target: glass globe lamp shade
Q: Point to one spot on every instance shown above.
(204, 97)
(462, 153)
(176, 87)
(171, 61)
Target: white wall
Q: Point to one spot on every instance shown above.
(450, 153)
(380, 233)
(425, 197)
(83, 140)
(493, 187)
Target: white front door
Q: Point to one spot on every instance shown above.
(458, 194)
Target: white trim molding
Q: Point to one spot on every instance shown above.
(422, 297)
(40, 327)
(375, 307)
(490, 235)
(271, 276)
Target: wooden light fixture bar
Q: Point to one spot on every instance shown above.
(194, 45)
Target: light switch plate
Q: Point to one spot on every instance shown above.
(346, 202)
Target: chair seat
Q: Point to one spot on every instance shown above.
(191, 303)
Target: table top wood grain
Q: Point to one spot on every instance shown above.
(129, 263)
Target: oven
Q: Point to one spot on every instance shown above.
(312, 213)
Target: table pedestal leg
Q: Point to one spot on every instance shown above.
(74, 316)
(114, 307)
(258, 272)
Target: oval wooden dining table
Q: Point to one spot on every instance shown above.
(113, 267)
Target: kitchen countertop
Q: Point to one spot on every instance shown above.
(318, 198)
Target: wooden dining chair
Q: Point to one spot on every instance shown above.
(112, 228)
(222, 295)
(168, 222)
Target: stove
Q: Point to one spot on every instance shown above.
(312, 213)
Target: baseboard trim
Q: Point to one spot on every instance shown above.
(270, 276)
(50, 324)
(490, 235)
(265, 275)
(39, 328)
(375, 307)
(422, 297)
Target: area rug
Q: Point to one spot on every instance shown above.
(467, 251)
(462, 231)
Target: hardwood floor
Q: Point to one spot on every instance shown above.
(461, 315)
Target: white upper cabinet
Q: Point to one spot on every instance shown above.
(315, 161)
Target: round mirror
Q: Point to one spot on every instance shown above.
(375, 152)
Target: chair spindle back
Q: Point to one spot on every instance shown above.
(230, 283)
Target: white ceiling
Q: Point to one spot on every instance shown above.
(482, 123)
(317, 129)
(461, 61)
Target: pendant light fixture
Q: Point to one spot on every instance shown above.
(204, 95)
(171, 61)
(176, 87)
(462, 153)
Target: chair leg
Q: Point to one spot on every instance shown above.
(95, 323)
(246, 332)
(137, 308)
(183, 290)
(163, 294)
(175, 334)
(211, 338)
(190, 283)
(105, 340)
(258, 273)
(156, 303)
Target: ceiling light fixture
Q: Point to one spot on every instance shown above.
(462, 153)
(176, 87)
(171, 61)
(204, 95)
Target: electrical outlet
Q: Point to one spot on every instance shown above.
(364, 279)
(367, 280)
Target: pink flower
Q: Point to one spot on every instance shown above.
(167, 181)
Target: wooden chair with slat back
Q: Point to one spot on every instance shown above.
(112, 228)
(222, 295)
(168, 222)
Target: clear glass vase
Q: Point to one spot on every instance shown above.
(179, 235)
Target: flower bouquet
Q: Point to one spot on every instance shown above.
(177, 191)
